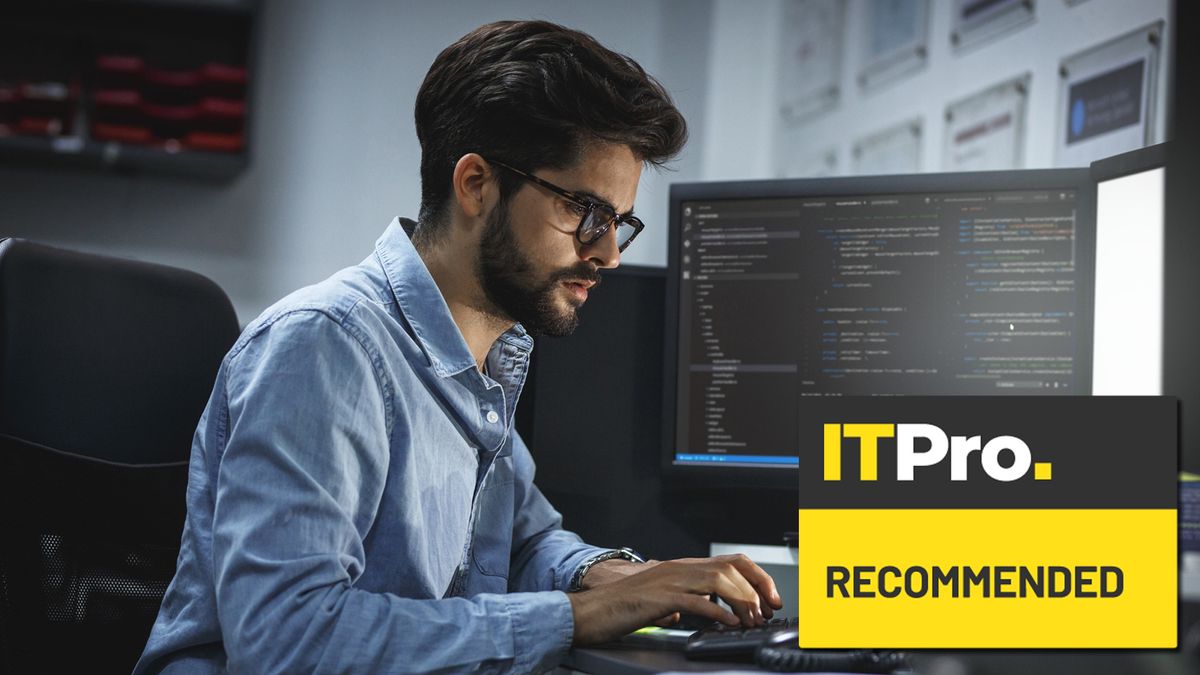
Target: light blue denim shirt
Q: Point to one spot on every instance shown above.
(358, 500)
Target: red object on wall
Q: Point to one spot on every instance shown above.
(123, 133)
(199, 140)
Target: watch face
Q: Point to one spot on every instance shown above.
(631, 555)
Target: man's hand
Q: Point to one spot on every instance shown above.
(608, 571)
(619, 605)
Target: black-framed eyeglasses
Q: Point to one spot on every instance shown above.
(595, 218)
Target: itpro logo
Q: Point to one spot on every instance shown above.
(908, 458)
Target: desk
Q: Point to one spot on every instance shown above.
(632, 661)
(625, 660)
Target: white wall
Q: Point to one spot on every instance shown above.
(335, 155)
(747, 139)
(741, 93)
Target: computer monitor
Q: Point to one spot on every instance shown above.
(1128, 342)
(958, 284)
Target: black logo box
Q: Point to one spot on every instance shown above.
(1107, 452)
(1110, 101)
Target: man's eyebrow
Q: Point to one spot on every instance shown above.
(599, 200)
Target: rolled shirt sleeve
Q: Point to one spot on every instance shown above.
(297, 492)
(545, 556)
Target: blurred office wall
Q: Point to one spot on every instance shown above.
(747, 137)
(334, 153)
(335, 156)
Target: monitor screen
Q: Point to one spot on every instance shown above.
(1128, 335)
(932, 284)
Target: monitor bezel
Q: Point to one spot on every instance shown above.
(1078, 179)
(1141, 160)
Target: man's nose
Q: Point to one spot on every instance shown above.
(603, 252)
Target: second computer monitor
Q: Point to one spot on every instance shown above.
(962, 284)
(1130, 234)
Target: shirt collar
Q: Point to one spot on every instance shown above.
(423, 306)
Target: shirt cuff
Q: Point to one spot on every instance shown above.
(543, 627)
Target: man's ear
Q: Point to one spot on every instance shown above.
(472, 183)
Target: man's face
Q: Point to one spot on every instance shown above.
(532, 268)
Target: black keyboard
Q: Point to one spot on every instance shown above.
(732, 642)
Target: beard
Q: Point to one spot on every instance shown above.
(511, 285)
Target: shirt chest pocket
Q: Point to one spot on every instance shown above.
(491, 548)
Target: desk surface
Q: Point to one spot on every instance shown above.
(626, 660)
(623, 660)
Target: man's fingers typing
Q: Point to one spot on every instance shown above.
(758, 578)
(733, 588)
(699, 604)
(657, 594)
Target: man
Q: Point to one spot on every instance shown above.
(358, 500)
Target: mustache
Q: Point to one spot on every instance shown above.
(580, 272)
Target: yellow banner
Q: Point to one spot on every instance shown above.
(988, 578)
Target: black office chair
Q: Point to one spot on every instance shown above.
(105, 368)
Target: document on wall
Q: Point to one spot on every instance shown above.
(894, 150)
(986, 131)
(977, 21)
(895, 39)
(1108, 98)
(820, 165)
(810, 61)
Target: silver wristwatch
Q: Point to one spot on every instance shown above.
(624, 553)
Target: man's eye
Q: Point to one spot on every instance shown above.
(577, 209)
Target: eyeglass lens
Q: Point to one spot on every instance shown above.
(595, 225)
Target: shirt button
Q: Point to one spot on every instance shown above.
(492, 417)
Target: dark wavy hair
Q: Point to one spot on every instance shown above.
(534, 94)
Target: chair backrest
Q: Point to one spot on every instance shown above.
(105, 368)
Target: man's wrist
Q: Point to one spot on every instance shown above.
(627, 555)
(607, 571)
